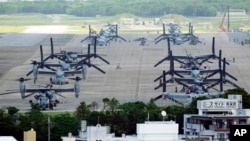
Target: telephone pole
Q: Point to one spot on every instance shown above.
(48, 128)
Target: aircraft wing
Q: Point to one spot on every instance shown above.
(208, 71)
(35, 90)
(52, 65)
(72, 72)
(64, 90)
(204, 56)
(182, 57)
(193, 81)
(201, 72)
(184, 71)
(82, 55)
(47, 72)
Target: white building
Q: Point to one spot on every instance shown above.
(214, 118)
(157, 131)
(97, 133)
(7, 138)
(148, 131)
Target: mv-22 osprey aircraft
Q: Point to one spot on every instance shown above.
(195, 82)
(176, 36)
(68, 66)
(45, 97)
(104, 37)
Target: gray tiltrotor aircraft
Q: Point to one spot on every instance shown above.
(66, 68)
(175, 35)
(45, 97)
(196, 82)
(104, 37)
(190, 61)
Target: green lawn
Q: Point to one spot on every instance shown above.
(79, 25)
(54, 113)
(11, 29)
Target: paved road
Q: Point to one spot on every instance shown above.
(134, 81)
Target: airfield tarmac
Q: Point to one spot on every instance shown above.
(133, 82)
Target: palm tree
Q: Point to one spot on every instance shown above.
(94, 105)
(105, 102)
(113, 104)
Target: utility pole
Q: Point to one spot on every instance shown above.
(48, 128)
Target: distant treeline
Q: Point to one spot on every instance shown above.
(144, 8)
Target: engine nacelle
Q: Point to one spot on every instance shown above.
(77, 87)
(22, 87)
(84, 71)
(35, 72)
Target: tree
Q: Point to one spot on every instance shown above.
(62, 125)
(96, 117)
(105, 102)
(37, 120)
(113, 104)
(153, 111)
(93, 105)
(12, 110)
(132, 113)
(82, 111)
(6, 124)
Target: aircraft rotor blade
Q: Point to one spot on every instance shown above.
(231, 76)
(60, 95)
(176, 73)
(161, 76)
(50, 68)
(211, 86)
(98, 68)
(162, 60)
(41, 53)
(158, 37)
(52, 48)
(9, 93)
(102, 59)
(28, 95)
(212, 74)
(164, 83)
(183, 84)
(158, 97)
(29, 73)
(231, 83)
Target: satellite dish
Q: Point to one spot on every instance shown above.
(163, 113)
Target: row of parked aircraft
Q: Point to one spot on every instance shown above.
(195, 80)
(59, 67)
(64, 64)
(174, 33)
